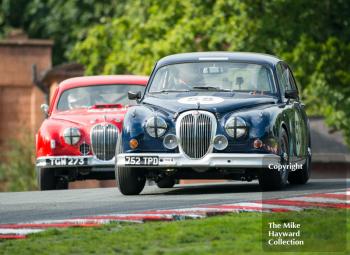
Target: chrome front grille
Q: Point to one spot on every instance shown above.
(104, 141)
(196, 130)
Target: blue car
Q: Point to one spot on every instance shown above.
(215, 115)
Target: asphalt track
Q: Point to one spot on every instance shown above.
(18, 207)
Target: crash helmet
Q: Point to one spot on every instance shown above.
(79, 98)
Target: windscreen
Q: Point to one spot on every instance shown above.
(226, 76)
(85, 97)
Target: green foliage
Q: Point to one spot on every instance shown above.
(17, 171)
(66, 22)
(133, 42)
(130, 36)
(312, 36)
(10, 13)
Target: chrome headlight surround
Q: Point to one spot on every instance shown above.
(71, 135)
(156, 127)
(236, 127)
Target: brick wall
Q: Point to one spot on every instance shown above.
(20, 100)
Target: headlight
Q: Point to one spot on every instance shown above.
(236, 127)
(156, 126)
(71, 135)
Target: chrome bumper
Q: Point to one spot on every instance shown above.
(227, 160)
(94, 163)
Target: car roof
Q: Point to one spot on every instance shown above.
(250, 57)
(103, 80)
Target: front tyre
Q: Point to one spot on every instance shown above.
(47, 180)
(274, 179)
(301, 176)
(131, 181)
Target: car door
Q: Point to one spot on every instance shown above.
(297, 115)
(292, 112)
(300, 118)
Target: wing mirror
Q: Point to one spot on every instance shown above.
(291, 94)
(134, 95)
(45, 109)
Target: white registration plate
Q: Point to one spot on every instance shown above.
(67, 161)
(141, 160)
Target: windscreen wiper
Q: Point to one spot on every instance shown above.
(100, 106)
(170, 90)
(211, 88)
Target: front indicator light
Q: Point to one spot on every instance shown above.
(258, 144)
(133, 144)
(170, 142)
(52, 144)
(220, 142)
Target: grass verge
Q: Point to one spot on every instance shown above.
(243, 233)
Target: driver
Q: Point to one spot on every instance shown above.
(78, 99)
(188, 77)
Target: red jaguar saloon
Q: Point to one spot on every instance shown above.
(77, 140)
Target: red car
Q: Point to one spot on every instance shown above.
(77, 140)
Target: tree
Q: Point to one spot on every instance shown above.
(130, 36)
(66, 22)
(11, 14)
(313, 36)
(133, 42)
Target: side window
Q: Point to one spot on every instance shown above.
(160, 80)
(281, 79)
(291, 80)
(284, 78)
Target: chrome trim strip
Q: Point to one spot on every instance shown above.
(213, 58)
(227, 160)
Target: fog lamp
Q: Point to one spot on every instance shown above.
(220, 142)
(170, 141)
(133, 144)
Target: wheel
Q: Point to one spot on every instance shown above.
(301, 176)
(274, 179)
(131, 181)
(166, 182)
(47, 180)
